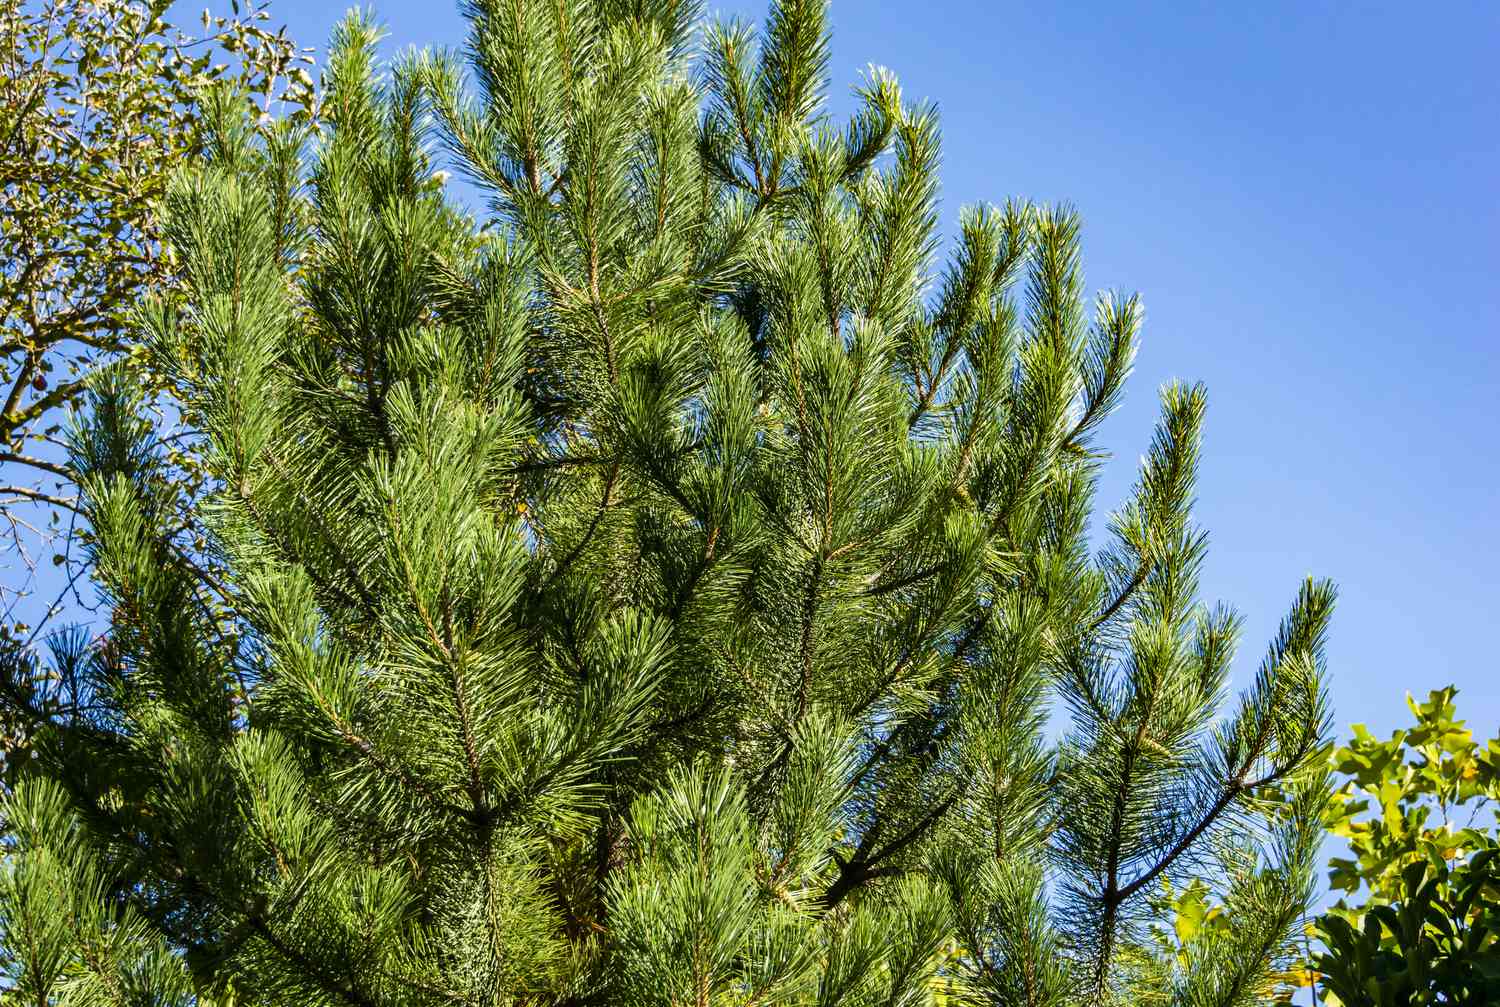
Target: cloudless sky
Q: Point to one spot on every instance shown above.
(1307, 195)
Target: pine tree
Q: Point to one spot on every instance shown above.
(663, 592)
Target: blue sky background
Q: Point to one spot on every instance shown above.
(1306, 196)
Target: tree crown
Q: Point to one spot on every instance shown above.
(658, 594)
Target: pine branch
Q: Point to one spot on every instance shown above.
(578, 548)
(1111, 897)
(862, 869)
(398, 773)
(465, 719)
(324, 979)
(314, 513)
(805, 647)
(1120, 600)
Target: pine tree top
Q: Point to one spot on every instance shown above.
(655, 594)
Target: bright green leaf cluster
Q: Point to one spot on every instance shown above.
(1420, 814)
(1430, 792)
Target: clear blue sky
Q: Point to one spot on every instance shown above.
(1307, 196)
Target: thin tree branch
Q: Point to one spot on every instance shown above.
(1124, 596)
(577, 550)
(70, 503)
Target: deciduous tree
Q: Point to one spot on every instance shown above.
(100, 102)
(1420, 918)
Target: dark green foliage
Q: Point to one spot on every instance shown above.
(659, 594)
(1440, 943)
